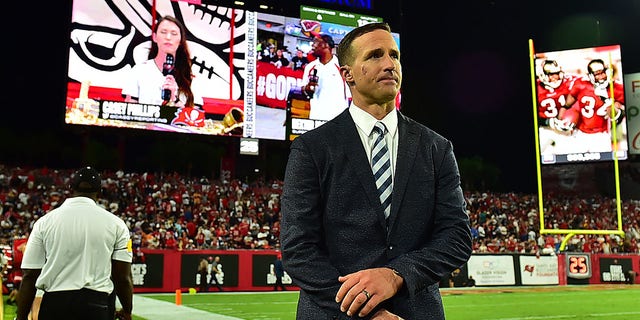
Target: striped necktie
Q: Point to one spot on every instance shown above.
(381, 166)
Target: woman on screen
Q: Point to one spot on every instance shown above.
(164, 79)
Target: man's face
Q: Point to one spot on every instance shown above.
(555, 76)
(376, 69)
(318, 46)
(599, 72)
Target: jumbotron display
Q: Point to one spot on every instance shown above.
(580, 105)
(111, 41)
(243, 66)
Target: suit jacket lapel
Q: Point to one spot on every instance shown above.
(347, 137)
(408, 140)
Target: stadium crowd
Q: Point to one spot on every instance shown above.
(175, 212)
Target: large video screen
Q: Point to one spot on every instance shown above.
(279, 97)
(110, 50)
(308, 110)
(580, 105)
(118, 50)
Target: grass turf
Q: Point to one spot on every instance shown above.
(620, 302)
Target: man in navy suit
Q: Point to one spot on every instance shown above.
(349, 260)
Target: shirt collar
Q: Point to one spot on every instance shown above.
(365, 122)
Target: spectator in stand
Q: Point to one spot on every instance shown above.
(483, 247)
(4, 263)
(260, 47)
(208, 237)
(263, 238)
(510, 244)
(279, 60)
(268, 53)
(236, 237)
(481, 232)
(200, 243)
(243, 227)
(248, 242)
(46, 190)
(190, 245)
(299, 61)
(170, 241)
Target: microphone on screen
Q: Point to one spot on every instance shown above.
(313, 82)
(167, 69)
(313, 77)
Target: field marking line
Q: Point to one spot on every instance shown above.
(150, 308)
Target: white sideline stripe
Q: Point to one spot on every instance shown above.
(153, 309)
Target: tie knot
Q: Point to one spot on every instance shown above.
(379, 128)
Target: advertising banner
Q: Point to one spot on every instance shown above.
(539, 270)
(492, 270)
(632, 94)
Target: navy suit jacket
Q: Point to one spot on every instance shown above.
(333, 222)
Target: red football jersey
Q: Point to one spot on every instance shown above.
(550, 100)
(594, 116)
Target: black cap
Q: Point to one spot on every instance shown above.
(328, 39)
(86, 180)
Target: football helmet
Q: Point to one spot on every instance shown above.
(551, 67)
(595, 69)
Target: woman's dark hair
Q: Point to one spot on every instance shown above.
(182, 68)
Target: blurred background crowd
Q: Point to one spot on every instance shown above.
(174, 212)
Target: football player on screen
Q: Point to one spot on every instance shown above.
(552, 90)
(591, 97)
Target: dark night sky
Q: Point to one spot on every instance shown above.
(465, 65)
(467, 73)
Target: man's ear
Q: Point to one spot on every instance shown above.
(345, 71)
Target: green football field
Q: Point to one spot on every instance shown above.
(618, 302)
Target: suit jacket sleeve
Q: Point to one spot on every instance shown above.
(306, 258)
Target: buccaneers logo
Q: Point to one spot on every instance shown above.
(189, 116)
